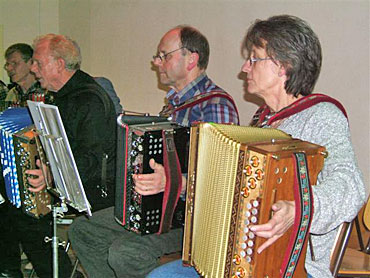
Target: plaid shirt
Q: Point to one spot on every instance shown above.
(216, 109)
(17, 98)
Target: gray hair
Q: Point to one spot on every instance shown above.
(292, 42)
(61, 46)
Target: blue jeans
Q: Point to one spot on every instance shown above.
(175, 269)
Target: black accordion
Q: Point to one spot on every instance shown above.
(141, 138)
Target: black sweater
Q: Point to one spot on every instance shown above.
(89, 119)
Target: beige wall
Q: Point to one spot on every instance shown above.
(118, 39)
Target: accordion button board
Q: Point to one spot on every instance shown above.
(26, 151)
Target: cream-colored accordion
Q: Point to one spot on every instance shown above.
(235, 174)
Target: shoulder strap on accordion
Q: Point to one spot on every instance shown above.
(169, 109)
(260, 117)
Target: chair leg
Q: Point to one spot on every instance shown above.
(75, 267)
(367, 249)
(340, 248)
(358, 229)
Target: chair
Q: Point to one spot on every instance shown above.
(350, 262)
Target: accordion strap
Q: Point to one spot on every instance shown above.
(264, 116)
(168, 110)
(173, 181)
(303, 216)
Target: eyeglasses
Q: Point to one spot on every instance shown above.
(163, 57)
(13, 64)
(253, 60)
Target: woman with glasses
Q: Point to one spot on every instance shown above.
(283, 64)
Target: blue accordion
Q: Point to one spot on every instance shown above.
(19, 153)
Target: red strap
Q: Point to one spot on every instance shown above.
(173, 185)
(126, 127)
(204, 97)
(304, 103)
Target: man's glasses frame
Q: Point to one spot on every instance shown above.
(163, 57)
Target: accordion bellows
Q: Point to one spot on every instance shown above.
(235, 174)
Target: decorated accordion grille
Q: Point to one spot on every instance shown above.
(234, 179)
(18, 153)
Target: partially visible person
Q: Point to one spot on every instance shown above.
(282, 65)
(107, 85)
(17, 228)
(18, 63)
(3, 92)
(105, 248)
(87, 113)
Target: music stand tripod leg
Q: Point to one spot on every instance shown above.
(58, 212)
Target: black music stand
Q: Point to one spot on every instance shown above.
(68, 186)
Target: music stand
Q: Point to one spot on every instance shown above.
(68, 186)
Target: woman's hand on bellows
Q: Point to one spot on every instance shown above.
(281, 221)
(149, 184)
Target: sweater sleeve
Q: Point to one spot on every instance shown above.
(340, 190)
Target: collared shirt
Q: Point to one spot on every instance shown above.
(16, 97)
(216, 109)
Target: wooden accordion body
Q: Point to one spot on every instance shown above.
(235, 174)
(27, 150)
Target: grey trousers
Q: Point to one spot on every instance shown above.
(107, 250)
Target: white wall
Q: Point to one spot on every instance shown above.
(23, 20)
(119, 37)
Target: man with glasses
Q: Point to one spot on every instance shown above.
(18, 64)
(105, 248)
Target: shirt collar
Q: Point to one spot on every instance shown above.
(190, 90)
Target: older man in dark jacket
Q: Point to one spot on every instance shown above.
(87, 112)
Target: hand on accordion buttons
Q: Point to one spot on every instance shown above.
(38, 182)
(149, 184)
(280, 222)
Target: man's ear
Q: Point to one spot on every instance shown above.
(61, 64)
(192, 61)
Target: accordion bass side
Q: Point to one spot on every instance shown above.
(138, 141)
(27, 150)
(235, 175)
